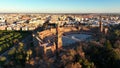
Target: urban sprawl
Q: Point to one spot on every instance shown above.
(26, 22)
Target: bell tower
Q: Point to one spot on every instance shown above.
(58, 41)
(58, 37)
(100, 24)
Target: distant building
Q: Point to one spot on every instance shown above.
(3, 27)
(24, 28)
(2, 20)
(16, 28)
(31, 28)
(9, 28)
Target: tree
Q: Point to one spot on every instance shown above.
(117, 44)
(12, 51)
(108, 45)
(29, 53)
(117, 32)
(2, 60)
(18, 55)
(115, 54)
(0, 49)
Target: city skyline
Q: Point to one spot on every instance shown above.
(59, 6)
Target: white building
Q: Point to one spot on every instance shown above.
(9, 28)
(2, 19)
(24, 28)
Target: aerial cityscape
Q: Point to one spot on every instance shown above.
(59, 34)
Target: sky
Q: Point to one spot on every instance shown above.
(59, 6)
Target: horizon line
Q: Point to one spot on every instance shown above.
(59, 13)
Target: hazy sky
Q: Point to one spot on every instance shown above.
(60, 6)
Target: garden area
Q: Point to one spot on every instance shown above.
(8, 39)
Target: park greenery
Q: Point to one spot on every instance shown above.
(9, 38)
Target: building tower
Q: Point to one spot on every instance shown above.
(58, 37)
(100, 24)
(58, 41)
